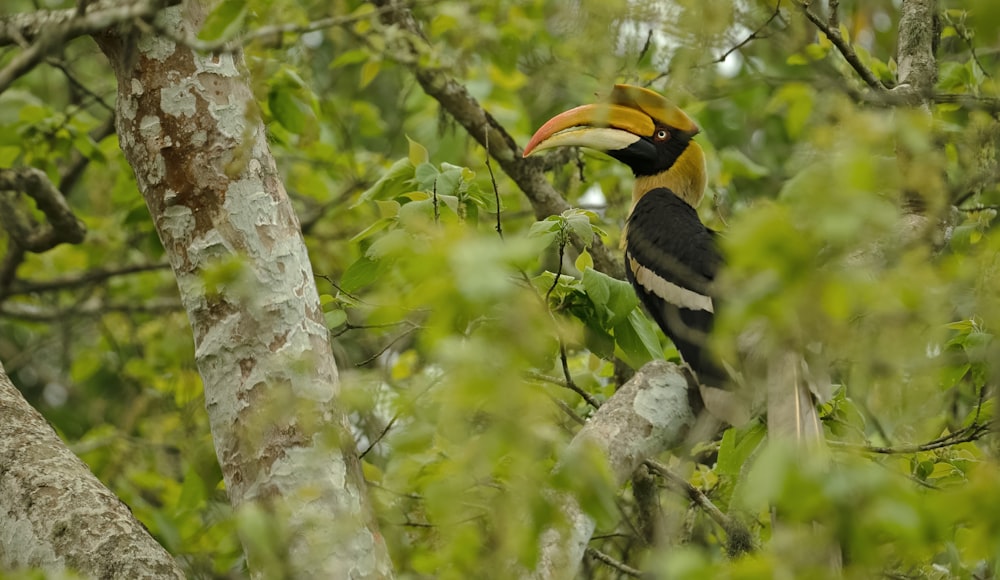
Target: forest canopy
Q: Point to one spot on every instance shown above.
(158, 160)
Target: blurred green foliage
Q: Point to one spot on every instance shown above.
(449, 337)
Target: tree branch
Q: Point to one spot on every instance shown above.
(619, 566)
(229, 45)
(846, 50)
(917, 68)
(646, 416)
(32, 313)
(91, 277)
(971, 433)
(42, 31)
(61, 515)
(63, 226)
(740, 540)
(755, 35)
(27, 27)
(528, 173)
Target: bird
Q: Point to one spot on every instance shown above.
(671, 258)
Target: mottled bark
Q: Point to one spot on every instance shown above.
(188, 126)
(56, 514)
(648, 415)
(917, 68)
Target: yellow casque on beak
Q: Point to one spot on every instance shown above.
(631, 113)
(655, 105)
(604, 127)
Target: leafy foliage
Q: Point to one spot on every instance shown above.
(456, 343)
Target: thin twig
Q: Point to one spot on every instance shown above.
(740, 539)
(388, 345)
(380, 436)
(71, 77)
(48, 30)
(349, 327)
(966, 435)
(563, 356)
(559, 269)
(233, 44)
(568, 411)
(493, 180)
(63, 226)
(33, 313)
(845, 49)
(755, 35)
(90, 277)
(608, 560)
(979, 404)
(977, 208)
(966, 37)
(567, 385)
(437, 209)
(411, 50)
(330, 281)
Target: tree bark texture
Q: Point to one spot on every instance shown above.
(188, 126)
(55, 514)
(646, 416)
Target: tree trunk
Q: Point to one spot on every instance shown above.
(56, 514)
(189, 127)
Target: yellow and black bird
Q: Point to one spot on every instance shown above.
(671, 258)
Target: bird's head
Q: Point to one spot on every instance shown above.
(640, 128)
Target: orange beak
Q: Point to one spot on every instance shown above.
(632, 114)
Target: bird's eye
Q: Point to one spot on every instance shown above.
(661, 135)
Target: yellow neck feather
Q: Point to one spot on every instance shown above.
(686, 177)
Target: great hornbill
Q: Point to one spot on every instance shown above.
(671, 258)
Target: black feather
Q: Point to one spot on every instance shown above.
(665, 236)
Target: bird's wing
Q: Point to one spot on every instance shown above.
(671, 259)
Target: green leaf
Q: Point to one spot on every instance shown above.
(485, 198)
(287, 109)
(598, 287)
(369, 71)
(816, 51)
(9, 154)
(379, 225)
(350, 57)
(418, 153)
(391, 243)
(425, 176)
(637, 340)
(737, 164)
(387, 208)
(361, 273)
(797, 59)
(599, 341)
(449, 181)
(736, 447)
(578, 222)
(392, 183)
(335, 318)
(796, 100)
(225, 20)
(546, 231)
(615, 299)
(192, 491)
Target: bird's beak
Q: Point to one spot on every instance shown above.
(631, 114)
(604, 127)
